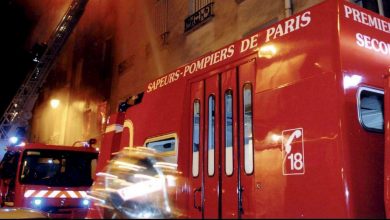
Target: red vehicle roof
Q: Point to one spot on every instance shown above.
(40, 146)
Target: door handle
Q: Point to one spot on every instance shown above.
(199, 208)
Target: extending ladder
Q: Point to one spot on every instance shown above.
(19, 111)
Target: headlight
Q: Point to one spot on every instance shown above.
(85, 202)
(37, 202)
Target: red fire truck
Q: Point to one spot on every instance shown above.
(50, 178)
(287, 122)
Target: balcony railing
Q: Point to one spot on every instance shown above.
(199, 17)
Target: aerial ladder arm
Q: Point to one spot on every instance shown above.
(18, 112)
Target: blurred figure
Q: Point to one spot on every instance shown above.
(136, 183)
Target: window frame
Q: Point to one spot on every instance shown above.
(358, 101)
(162, 138)
(208, 135)
(231, 163)
(196, 174)
(250, 87)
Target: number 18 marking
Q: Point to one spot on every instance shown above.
(296, 161)
(293, 152)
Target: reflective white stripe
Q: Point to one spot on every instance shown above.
(72, 194)
(28, 193)
(83, 194)
(54, 193)
(114, 127)
(41, 193)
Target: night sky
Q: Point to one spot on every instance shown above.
(16, 59)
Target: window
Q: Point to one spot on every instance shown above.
(211, 136)
(9, 165)
(58, 168)
(196, 5)
(379, 6)
(200, 12)
(107, 59)
(161, 19)
(229, 132)
(370, 109)
(166, 145)
(195, 138)
(386, 8)
(248, 126)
